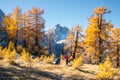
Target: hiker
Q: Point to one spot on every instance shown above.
(66, 58)
(57, 61)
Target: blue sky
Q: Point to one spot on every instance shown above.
(66, 12)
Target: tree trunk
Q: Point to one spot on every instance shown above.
(76, 41)
(50, 47)
(118, 56)
(62, 49)
(36, 41)
(16, 40)
(99, 38)
(24, 44)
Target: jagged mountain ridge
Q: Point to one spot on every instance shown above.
(60, 33)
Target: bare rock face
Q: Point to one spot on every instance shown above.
(3, 38)
(2, 15)
(3, 33)
(60, 32)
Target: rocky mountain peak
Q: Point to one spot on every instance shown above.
(60, 32)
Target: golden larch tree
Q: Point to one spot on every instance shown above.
(35, 20)
(17, 17)
(74, 41)
(10, 26)
(116, 45)
(97, 35)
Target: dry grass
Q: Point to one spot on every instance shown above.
(44, 71)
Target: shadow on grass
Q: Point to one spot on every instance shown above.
(17, 72)
(86, 71)
(26, 73)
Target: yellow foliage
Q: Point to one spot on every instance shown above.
(97, 33)
(11, 46)
(77, 62)
(1, 52)
(116, 35)
(17, 16)
(42, 57)
(107, 71)
(10, 55)
(100, 10)
(49, 59)
(37, 59)
(9, 24)
(19, 48)
(25, 55)
(6, 57)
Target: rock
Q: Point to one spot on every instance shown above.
(2, 15)
(3, 38)
(3, 33)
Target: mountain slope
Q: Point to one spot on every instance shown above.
(3, 33)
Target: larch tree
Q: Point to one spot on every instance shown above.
(24, 20)
(11, 28)
(11, 22)
(116, 44)
(91, 39)
(24, 30)
(50, 41)
(97, 35)
(17, 17)
(69, 46)
(27, 34)
(33, 30)
(35, 20)
(75, 43)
